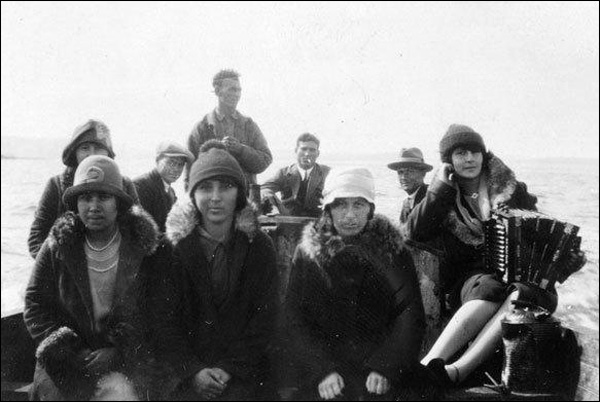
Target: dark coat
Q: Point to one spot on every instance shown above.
(153, 197)
(287, 181)
(192, 333)
(405, 209)
(438, 215)
(51, 206)
(354, 306)
(58, 304)
(255, 156)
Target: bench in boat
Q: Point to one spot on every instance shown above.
(18, 350)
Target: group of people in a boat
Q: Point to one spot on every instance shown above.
(136, 296)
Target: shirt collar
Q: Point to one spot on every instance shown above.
(305, 173)
(220, 116)
(208, 236)
(167, 185)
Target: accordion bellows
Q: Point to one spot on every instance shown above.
(528, 246)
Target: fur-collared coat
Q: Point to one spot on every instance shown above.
(438, 215)
(51, 207)
(353, 305)
(192, 333)
(59, 312)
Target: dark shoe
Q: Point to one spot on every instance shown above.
(437, 373)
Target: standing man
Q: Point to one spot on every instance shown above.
(239, 133)
(154, 188)
(300, 184)
(411, 170)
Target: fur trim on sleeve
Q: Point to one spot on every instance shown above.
(62, 355)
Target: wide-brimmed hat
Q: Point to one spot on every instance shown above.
(349, 183)
(173, 149)
(96, 173)
(410, 158)
(91, 131)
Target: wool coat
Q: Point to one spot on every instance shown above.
(287, 182)
(153, 197)
(59, 311)
(51, 207)
(255, 155)
(438, 215)
(192, 332)
(353, 305)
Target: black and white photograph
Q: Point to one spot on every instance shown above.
(376, 201)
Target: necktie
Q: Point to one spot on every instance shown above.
(303, 188)
(172, 196)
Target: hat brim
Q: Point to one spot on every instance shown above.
(71, 194)
(188, 158)
(416, 165)
(329, 198)
(68, 156)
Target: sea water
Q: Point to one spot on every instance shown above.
(567, 189)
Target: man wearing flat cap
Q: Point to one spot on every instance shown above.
(154, 188)
(411, 169)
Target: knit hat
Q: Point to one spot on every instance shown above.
(216, 162)
(352, 182)
(97, 173)
(459, 135)
(91, 131)
(173, 149)
(410, 158)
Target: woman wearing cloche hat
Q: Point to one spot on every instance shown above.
(470, 183)
(91, 138)
(88, 289)
(217, 319)
(354, 307)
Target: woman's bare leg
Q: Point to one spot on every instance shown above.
(463, 326)
(483, 346)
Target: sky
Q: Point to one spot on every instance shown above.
(364, 77)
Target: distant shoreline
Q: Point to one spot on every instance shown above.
(22, 157)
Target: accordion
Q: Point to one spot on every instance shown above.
(527, 246)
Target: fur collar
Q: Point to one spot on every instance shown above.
(501, 184)
(379, 236)
(136, 224)
(500, 180)
(184, 218)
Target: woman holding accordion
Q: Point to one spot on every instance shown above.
(469, 184)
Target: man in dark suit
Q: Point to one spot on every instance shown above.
(411, 169)
(154, 188)
(300, 184)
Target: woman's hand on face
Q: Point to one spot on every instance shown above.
(445, 173)
(377, 384)
(210, 382)
(331, 386)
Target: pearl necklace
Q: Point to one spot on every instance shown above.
(111, 266)
(87, 240)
